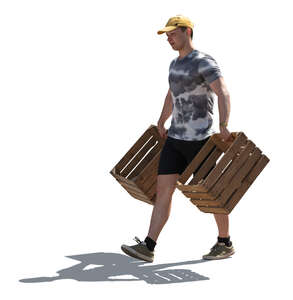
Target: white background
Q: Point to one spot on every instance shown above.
(80, 82)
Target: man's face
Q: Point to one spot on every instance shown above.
(176, 38)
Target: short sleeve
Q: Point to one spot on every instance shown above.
(209, 69)
(171, 64)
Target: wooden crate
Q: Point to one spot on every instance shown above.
(137, 170)
(224, 172)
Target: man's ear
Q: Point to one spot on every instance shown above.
(189, 31)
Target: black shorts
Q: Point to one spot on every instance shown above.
(177, 154)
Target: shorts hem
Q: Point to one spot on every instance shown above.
(170, 172)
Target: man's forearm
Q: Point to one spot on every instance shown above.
(167, 110)
(224, 108)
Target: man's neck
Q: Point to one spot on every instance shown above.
(185, 51)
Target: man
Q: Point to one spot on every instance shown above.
(195, 80)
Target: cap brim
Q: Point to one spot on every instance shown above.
(167, 28)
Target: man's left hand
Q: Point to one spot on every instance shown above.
(224, 134)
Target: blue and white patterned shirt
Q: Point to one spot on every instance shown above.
(193, 99)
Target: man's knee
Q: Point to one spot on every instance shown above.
(166, 183)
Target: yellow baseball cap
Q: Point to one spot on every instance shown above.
(175, 22)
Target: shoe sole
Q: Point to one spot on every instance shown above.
(129, 251)
(222, 257)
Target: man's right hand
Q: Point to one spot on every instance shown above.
(162, 130)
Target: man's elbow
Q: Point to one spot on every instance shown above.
(224, 97)
(227, 96)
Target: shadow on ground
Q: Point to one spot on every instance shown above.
(103, 266)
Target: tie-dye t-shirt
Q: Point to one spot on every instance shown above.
(193, 99)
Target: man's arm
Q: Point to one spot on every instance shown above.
(167, 109)
(219, 87)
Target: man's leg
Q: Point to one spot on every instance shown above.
(223, 248)
(222, 221)
(144, 250)
(166, 184)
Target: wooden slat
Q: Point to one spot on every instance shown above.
(235, 183)
(224, 145)
(206, 202)
(197, 160)
(216, 153)
(153, 200)
(151, 180)
(153, 153)
(144, 199)
(143, 164)
(247, 181)
(149, 170)
(189, 188)
(237, 179)
(198, 195)
(139, 196)
(152, 190)
(207, 166)
(113, 171)
(138, 156)
(133, 150)
(152, 176)
(120, 178)
(237, 162)
(131, 188)
(213, 210)
(211, 179)
(135, 192)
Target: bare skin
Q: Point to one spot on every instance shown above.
(162, 207)
(161, 211)
(181, 41)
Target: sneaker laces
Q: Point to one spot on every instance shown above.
(137, 240)
(215, 246)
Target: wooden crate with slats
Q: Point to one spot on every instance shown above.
(137, 170)
(224, 172)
